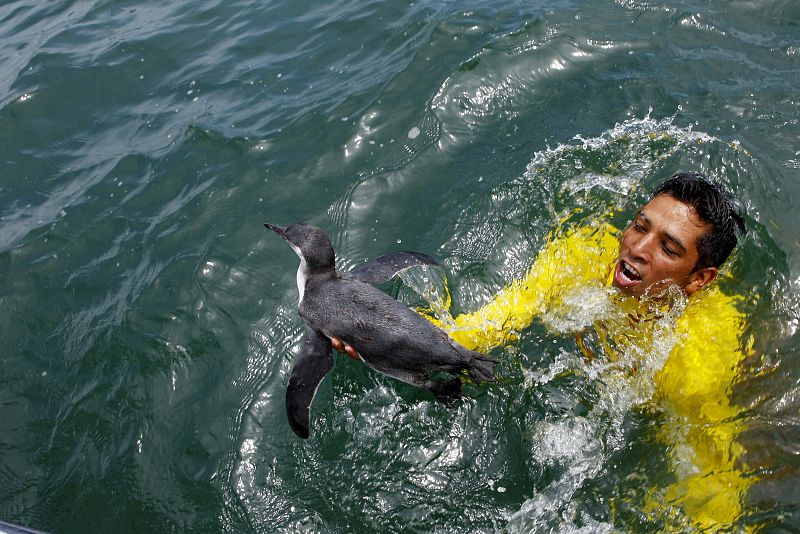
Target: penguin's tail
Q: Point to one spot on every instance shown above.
(481, 368)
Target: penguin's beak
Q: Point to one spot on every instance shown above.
(280, 230)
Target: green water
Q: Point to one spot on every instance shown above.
(148, 323)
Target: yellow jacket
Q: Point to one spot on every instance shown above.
(692, 388)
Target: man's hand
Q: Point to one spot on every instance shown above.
(341, 346)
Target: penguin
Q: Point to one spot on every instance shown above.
(390, 337)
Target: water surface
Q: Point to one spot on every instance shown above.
(148, 322)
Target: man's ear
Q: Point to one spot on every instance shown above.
(699, 279)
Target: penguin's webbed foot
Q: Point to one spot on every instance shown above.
(482, 368)
(446, 391)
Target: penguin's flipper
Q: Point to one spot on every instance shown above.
(383, 268)
(314, 362)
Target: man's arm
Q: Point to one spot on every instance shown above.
(581, 256)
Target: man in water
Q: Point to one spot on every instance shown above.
(677, 240)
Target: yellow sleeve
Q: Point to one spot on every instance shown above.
(582, 256)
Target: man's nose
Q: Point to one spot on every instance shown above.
(642, 248)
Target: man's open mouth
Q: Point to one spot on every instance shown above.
(626, 275)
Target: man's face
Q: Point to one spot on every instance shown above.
(659, 249)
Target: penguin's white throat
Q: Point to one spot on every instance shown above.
(302, 273)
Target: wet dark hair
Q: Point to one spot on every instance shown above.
(715, 207)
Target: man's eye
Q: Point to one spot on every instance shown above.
(638, 226)
(668, 250)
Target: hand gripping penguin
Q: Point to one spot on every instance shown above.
(390, 337)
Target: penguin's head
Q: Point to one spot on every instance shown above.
(308, 242)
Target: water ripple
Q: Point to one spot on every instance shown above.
(148, 323)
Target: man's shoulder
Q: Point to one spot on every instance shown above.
(713, 310)
(712, 327)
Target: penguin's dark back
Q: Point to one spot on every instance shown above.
(374, 323)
